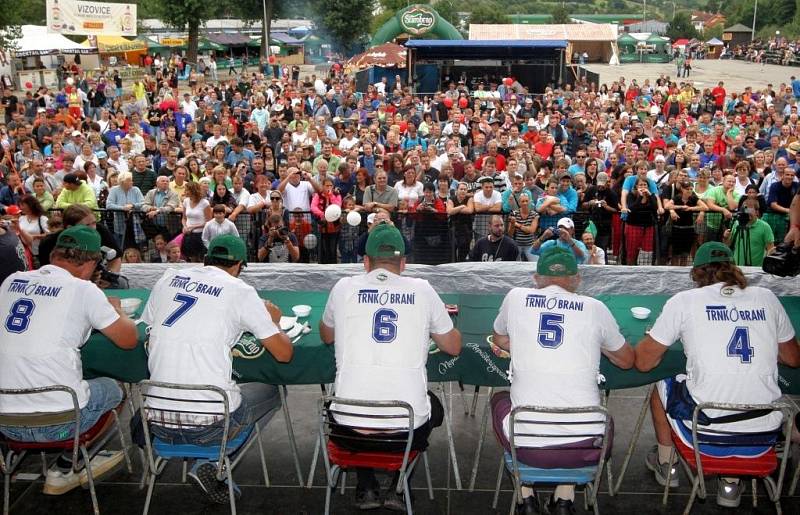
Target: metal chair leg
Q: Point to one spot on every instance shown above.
(428, 475)
(450, 442)
(474, 405)
(151, 483)
(481, 437)
(6, 491)
(261, 454)
(463, 398)
(499, 481)
(145, 468)
(637, 431)
(313, 467)
(290, 431)
(87, 466)
(344, 482)
(231, 494)
(666, 483)
(513, 502)
(610, 476)
(795, 478)
(407, 495)
(123, 444)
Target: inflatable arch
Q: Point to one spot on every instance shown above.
(416, 20)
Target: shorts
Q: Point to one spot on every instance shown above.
(683, 429)
(583, 453)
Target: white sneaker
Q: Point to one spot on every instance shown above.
(58, 482)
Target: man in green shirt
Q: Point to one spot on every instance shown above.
(754, 241)
(76, 191)
(722, 201)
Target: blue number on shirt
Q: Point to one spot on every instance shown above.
(19, 316)
(739, 345)
(551, 332)
(186, 301)
(384, 328)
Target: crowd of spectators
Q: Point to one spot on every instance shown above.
(775, 50)
(627, 172)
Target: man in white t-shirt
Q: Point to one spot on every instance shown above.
(555, 338)
(383, 323)
(297, 188)
(734, 336)
(196, 315)
(48, 315)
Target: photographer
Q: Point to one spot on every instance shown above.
(278, 245)
(78, 214)
(562, 236)
(750, 236)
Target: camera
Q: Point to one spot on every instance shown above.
(107, 278)
(742, 217)
(283, 232)
(783, 262)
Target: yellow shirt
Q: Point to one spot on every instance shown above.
(138, 90)
(178, 189)
(83, 195)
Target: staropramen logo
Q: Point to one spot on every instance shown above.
(417, 20)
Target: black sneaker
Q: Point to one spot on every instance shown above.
(560, 507)
(396, 502)
(204, 477)
(529, 506)
(368, 499)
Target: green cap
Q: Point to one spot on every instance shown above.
(227, 246)
(385, 241)
(591, 229)
(80, 237)
(712, 252)
(557, 262)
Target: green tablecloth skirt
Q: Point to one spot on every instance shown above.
(314, 362)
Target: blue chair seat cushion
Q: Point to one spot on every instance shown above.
(210, 452)
(531, 475)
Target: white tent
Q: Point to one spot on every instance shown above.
(36, 40)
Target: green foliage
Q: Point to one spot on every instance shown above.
(681, 26)
(487, 12)
(186, 15)
(448, 10)
(560, 14)
(13, 14)
(346, 25)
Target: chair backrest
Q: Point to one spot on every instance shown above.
(703, 435)
(331, 407)
(45, 418)
(183, 414)
(594, 425)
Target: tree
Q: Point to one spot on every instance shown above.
(448, 10)
(346, 22)
(561, 15)
(681, 27)
(186, 15)
(13, 14)
(487, 12)
(264, 11)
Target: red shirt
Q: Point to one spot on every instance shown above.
(499, 159)
(719, 96)
(544, 149)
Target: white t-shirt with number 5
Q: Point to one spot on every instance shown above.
(730, 337)
(556, 339)
(383, 323)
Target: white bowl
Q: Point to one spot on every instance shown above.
(640, 313)
(130, 305)
(301, 310)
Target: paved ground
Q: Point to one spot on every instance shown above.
(736, 74)
(119, 494)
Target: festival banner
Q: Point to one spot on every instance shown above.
(91, 18)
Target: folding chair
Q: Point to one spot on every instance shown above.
(522, 474)
(80, 442)
(338, 460)
(159, 452)
(760, 467)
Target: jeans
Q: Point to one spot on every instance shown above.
(105, 394)
(259, 403)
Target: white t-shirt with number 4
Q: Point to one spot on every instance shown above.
(556, 338)
(196, 316)
(730, 337)
(383, 324)
(47, 315)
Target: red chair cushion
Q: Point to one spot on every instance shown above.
(88, 436)
(374, 460)
(762, 466)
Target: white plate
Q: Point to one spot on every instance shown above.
(287, 323)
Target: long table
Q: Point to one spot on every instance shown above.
(314, 363)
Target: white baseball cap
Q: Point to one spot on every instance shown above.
(566, 223)
(371, 218)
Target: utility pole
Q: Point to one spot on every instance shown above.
(755, 12)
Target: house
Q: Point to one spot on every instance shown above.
(703, 20)
(737, 35)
